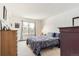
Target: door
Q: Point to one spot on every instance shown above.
(28, 28)
(25, 30)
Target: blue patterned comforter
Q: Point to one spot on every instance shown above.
(39, 42)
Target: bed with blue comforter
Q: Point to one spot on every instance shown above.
(37, 43)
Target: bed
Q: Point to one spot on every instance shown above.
(37, 43)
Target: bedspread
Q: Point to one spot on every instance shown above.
(39, 42)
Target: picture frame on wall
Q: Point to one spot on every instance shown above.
(17, 25)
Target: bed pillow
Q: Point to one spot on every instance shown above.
(49, 34)
(53, 34)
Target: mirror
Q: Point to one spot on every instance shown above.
(75, 21)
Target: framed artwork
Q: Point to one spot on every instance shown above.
(17, 25)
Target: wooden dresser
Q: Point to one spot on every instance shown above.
(69, 41)
(0, 43)
(8, 43)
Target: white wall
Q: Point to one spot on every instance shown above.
(39, 26)
(1, 11)
(15, 19)
(53, 23)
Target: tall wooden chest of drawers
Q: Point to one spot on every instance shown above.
(8, 43)
(69, 41)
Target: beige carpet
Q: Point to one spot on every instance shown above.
(25, 50)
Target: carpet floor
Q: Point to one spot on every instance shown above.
(25, 50)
